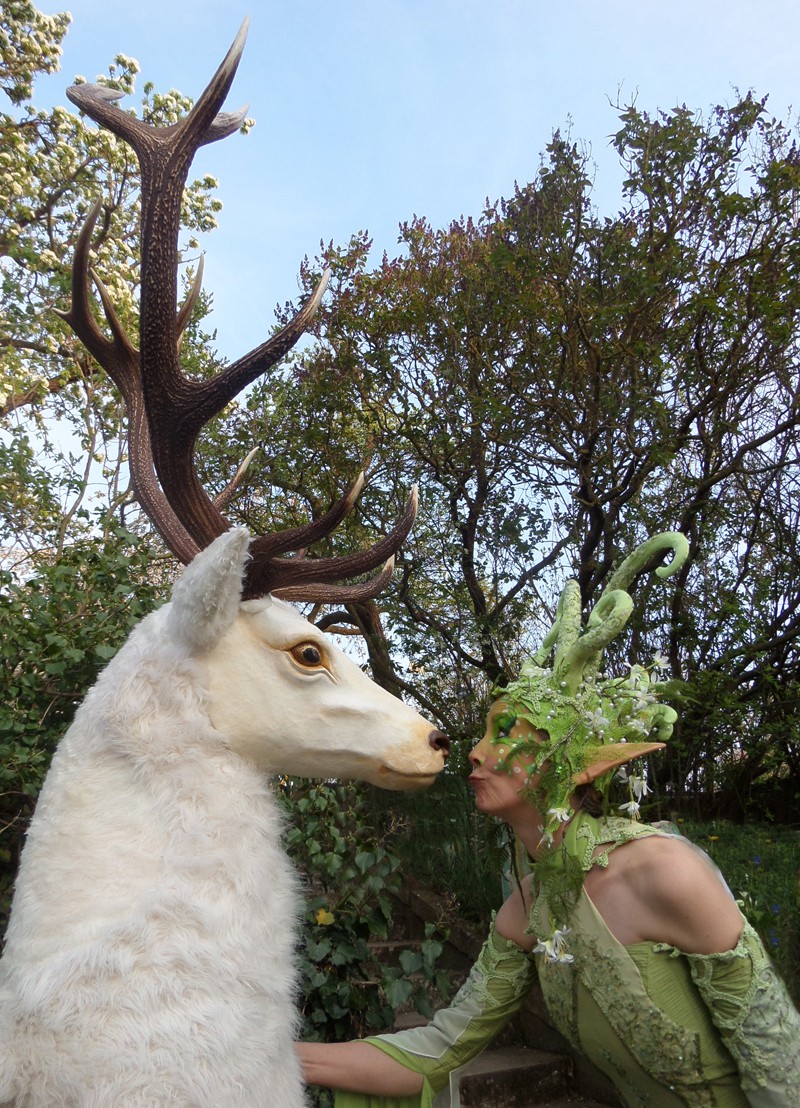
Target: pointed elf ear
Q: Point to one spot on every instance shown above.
(611, 757)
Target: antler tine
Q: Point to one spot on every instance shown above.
(339, 594)
(212, 395)
(295, 538)
(205, 118)
(120, 358)
(120, 354)
(222, 499)
(188, 306)
(268, 574)
(203, 124)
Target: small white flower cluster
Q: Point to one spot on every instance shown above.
(563, 815)
(627, 704)
(555, 948)
(637, 784)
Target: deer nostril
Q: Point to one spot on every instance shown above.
(439, 741)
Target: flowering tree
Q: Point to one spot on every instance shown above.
(53, 166)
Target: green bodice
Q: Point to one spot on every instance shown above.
(635, 1013)
(648, 1015)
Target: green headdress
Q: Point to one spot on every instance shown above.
(594, 723)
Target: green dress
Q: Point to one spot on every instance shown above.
(670, 1029)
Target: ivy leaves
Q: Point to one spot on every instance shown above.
(348, 987)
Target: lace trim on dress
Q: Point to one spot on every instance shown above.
(755, 1016)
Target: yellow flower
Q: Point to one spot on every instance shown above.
(324, 917)
(713, 838)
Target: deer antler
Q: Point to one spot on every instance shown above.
(166, 409)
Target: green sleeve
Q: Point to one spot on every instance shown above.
(759, 1025)
(491, 995)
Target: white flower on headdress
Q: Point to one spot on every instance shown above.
(547, 836)
(659, 661)
(631, 807)
(639, 786)
(555, 948)
(563, 815)
(597, 721)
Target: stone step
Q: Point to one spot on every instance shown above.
(405, 1021)
(515, 1077)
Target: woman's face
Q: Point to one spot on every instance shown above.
(499, 787)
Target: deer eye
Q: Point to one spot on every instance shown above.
(307, 654)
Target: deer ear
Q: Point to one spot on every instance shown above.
(205, 599)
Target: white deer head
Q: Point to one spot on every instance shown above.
(282, 693)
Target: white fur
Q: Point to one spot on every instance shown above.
(149, 958)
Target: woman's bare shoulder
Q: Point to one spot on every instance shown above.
(681, 892)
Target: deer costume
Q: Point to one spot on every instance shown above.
(149, 958)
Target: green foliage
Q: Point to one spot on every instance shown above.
(57, 629)
(30, 43)
(447, 846)
(27, 500)
(351, 875)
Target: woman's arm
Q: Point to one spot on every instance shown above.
(356, 1067)
(693, 908)
(758, 1023)
(408, 1062)
(665, 890)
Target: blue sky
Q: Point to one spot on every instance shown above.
(368, 112)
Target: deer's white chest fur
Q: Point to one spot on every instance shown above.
(149, 958)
